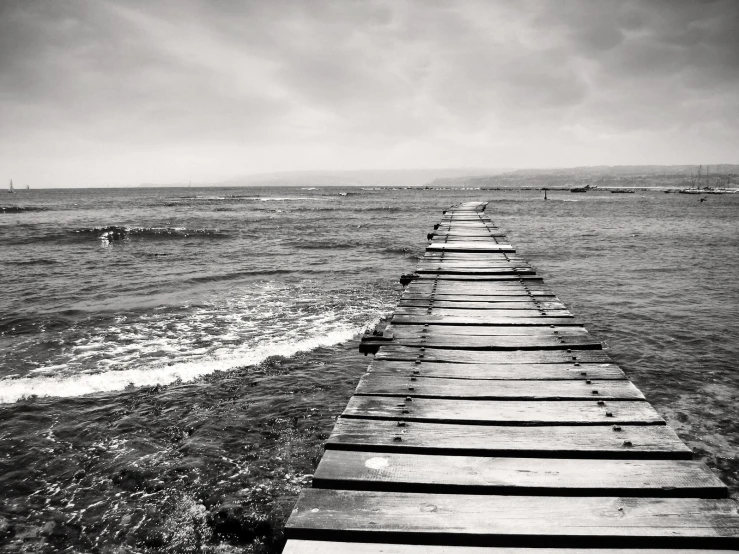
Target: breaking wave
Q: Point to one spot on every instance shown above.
(13, 390)
(147, 232)
(21, 209)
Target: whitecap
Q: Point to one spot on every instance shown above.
(108, 381)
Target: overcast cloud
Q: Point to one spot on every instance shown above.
(95, 92)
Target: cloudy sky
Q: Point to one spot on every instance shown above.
(95, 92)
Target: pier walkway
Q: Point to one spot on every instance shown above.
(491, 420)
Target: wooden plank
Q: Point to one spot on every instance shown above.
(498, 371)
(462, 233)
(475, 235)
(524, 282)
(469, 233)
(382, 471)
(518, 312)
(656, 442)
(433, 319)
(469, 299)
(442, 232)
(471, 256)
(381, 384)
(470, 225)
(514, 520)
(415, 331)
(516, 270)
(481, 294)
(443, 291)
(430, 257)
(517, 342)
(464, 218)
(474, 309)
(529, 279)
(444, 264)
(476, 261)
(470, 264)
(471, 247)
(482, 305)
(500, 412)
(393, 352)
(326, 547)
(481, 284)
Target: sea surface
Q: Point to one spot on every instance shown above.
(169, 391)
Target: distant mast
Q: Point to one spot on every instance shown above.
(10, 189)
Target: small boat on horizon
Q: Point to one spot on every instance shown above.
(10, 188)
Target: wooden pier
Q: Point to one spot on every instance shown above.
(491, 422)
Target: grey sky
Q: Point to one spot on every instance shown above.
(95, 92)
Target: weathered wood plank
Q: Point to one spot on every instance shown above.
(466, 234)
(473, 294)
(499, 412)
(514, 520)
(483, 284)
(470, 247)
(498, 371)
(461, 233)
(471, 256)
(657, 442)
(382, 471)
(430, 257)
(513, 270)
(433, 319)
(393, 352)
(481, 305)
(381, 384)
(325, 547)
(415, 331)
(478, 261)
(523, 278)
(470, 300)
(449, 239)
(462, 222)
(516, 342)
(445, 264)
(511, 312)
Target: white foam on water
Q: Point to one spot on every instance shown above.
(12, 390)
(286, 198)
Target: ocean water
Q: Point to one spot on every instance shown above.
(170, 391)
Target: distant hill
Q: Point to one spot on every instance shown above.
(631, 170)
(602, 176)
(364, 178)
(636, 175)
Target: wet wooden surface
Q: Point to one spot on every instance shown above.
(516, 342)
(490, 420)
(353, 470)
(522, 520)
(326, 547)
(544, 411)
(381, 384)
(414, 331)
(547, 441)
(396, 352)
(542, 372)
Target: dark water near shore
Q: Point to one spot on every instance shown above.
(170, 392)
